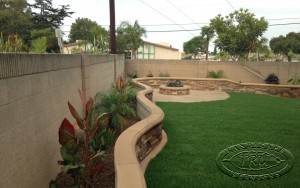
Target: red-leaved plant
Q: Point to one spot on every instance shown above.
(69, 138)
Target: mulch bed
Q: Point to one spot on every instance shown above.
(106, 178)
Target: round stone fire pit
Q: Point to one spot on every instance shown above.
(174, 88)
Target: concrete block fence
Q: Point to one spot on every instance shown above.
(34, 91)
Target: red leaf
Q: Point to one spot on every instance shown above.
(82, 99)
(76, 116)
(98, 169)
(88, 106)
(66, 132)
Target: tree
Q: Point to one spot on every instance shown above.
(81, 29)
(52, 45)
(100, 39)
(239, 31)
(261, 46)
(277, 45)
(286, 45)
(194, 46)
(208, 33)
(46, 16)
(129, 37)
(15, 19)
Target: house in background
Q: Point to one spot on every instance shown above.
(77, 47)
(149, 50)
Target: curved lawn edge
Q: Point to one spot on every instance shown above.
(128, 170)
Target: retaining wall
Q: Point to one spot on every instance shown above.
(226, 85)
(245, 72)
(136, 142)
(34, 91)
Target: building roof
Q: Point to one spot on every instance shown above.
(161, 46)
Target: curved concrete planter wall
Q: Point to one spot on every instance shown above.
(134, 144)
(226, 85)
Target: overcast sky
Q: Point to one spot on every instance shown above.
(159, 15)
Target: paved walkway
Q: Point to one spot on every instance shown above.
(194, 96)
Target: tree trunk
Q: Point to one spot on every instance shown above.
(207, 43)
(133, 54)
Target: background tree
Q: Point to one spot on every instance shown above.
(130, 37)
(261, 46)
(15, 19)
(277, 45)
(194, 46)
(51, 45)
(290, 44)
(81, 29)
(44, 15)
(100, 39)
(208, 33)
(239, 31)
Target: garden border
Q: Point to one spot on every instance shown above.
(136, 142)
(291, 91)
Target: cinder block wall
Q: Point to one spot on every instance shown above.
(34, 90)
(236, 71)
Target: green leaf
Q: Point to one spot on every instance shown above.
(53, 184)
(79, 169)
(65, 155)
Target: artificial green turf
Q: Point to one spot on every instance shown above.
(197, 132)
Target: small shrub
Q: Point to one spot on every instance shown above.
(214, 74)
(39, 45)
(82, 166)
(295, 80)
(149, 74)
(132, 75)
(119, 103)
(164, 74)
(272, 79)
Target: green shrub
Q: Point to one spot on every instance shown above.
(164, 74)
(214, 74)
(118, 104)
(132, 75)
(39, 45)
(272, 79)
(295, 80)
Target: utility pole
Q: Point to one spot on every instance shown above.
(112, 27)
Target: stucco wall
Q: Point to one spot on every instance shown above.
(34, 91)
(163, 53)
(236, 71)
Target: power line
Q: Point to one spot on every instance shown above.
(165, 16)
(181, 30)
(230, 5)
(284, 24)
(199, 23)
(183, 12)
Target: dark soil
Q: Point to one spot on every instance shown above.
(106, 178)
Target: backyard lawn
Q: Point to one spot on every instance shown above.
(198, 132)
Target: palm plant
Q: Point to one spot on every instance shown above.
(295, 80)
(208, 33)
(39, 45)
(214, 74)
(131, 36)
(118, 104)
